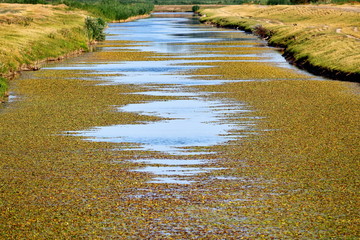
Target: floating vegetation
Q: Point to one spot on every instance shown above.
(292, 174)
(232, 70)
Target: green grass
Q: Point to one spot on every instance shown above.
(3, 87)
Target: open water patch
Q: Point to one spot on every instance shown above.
(190, 123)
(193, 120)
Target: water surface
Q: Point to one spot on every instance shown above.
(193, 120)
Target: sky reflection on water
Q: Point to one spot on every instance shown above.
(190, 122)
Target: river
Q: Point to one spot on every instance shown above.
(193, 119)
(172, 129)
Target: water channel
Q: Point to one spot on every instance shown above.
(193, 119)
(172, 129)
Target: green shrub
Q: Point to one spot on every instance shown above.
(279, 2)
(95, 29)
(195, 8)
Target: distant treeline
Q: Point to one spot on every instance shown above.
(108, 9)
(236, 2)
(294, 2)
(197, 2)
(123, 9)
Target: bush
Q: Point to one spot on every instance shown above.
(195, 8)
(95, 29)
(279, 2)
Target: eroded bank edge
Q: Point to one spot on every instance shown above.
(267, 34)
(73, 49)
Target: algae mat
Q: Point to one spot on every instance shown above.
(287, 168)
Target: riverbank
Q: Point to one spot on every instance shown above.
(132, 18)
(33, 34)
(324, 40)
(181, 8)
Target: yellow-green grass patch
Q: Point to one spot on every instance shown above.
(37, 32)
(324, 36)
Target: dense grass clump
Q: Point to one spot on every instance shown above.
(3, 87)
(114, 10)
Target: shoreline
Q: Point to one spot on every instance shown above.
(303, 64)
(18, 61)
(34, 66)
(271, 34)
(50, 33)
(131, 18)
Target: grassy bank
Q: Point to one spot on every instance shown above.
(31, 34)
(113, 10)
(322, 39)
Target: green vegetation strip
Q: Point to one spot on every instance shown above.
(3, 87)
(322, 39)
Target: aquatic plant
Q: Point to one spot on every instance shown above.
(293, 176)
